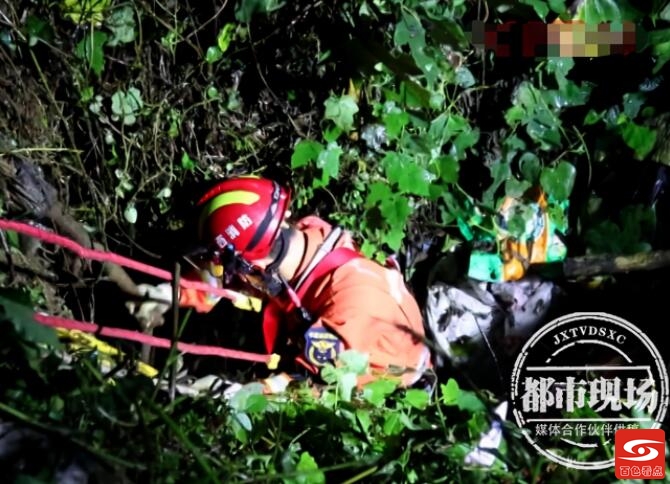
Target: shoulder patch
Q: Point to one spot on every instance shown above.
(321, 346)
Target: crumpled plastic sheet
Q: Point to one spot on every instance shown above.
(464, 318)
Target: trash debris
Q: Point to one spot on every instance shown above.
(526, 234)
(472, 318)
(490, 441)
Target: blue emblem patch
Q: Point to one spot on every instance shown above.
(321, 346)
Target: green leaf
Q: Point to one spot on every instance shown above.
(450, 392)
(639, 138)
(447, 168)
(346, 383)
(541, 8)
(246, 9)
(464, 140)
(213, 54)
(500, 171)
(364, 419)
(378, 191)
(310, 469)
(121, 22)
(632, 102)
(662, 53)
(558, 182)
(560, 66)
(409, 176)
(592, 117)
(341, 111)
(416, 398)
(530, 167)
(594, 12)
(305, 152)
(665, 13)
(392, 424)
(225, 36)
(126, 105)
(329, 162)
(256, 403)
(516, 188)
(187, 163)
(464, 77)
(377, 391)
(395, 120)
(354, 361)
(21, 316)
(90, 49)
(409, 30)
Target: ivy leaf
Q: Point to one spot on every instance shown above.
(500, 171)
(121, 22)
(378, 191)
(408, 175)
(341, 111)
(447, 168)
(594, 12)
(329, 162)
(541, 8)
(305, 152)
(516, 188)
(662, 53)
(530, 167)
(395, 119)
(409, 30)
(632, 102)
(559, 181)
(639, 138)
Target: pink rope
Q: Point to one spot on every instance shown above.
(130, 335)
(104, 256)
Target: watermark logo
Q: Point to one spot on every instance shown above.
(581, 379)
(639, 453)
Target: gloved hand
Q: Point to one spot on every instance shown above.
(150, 313)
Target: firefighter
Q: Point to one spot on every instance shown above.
(321, 296)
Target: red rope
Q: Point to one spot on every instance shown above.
(58, 322)
(104, 256)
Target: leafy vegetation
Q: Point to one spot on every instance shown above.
(382, 115)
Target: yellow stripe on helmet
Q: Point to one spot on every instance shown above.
(236, 196)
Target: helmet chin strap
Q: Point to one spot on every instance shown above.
(273, 281)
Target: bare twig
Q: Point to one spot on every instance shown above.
(175, 327)
(8, 255)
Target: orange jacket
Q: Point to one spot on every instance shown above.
(360, 305)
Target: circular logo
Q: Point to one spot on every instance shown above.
(581, 378)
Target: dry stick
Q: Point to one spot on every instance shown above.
(65, 223)
(176, 274)
(116, 273)
(8, 255)
(594, 265)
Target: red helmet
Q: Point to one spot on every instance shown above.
(246, 213)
